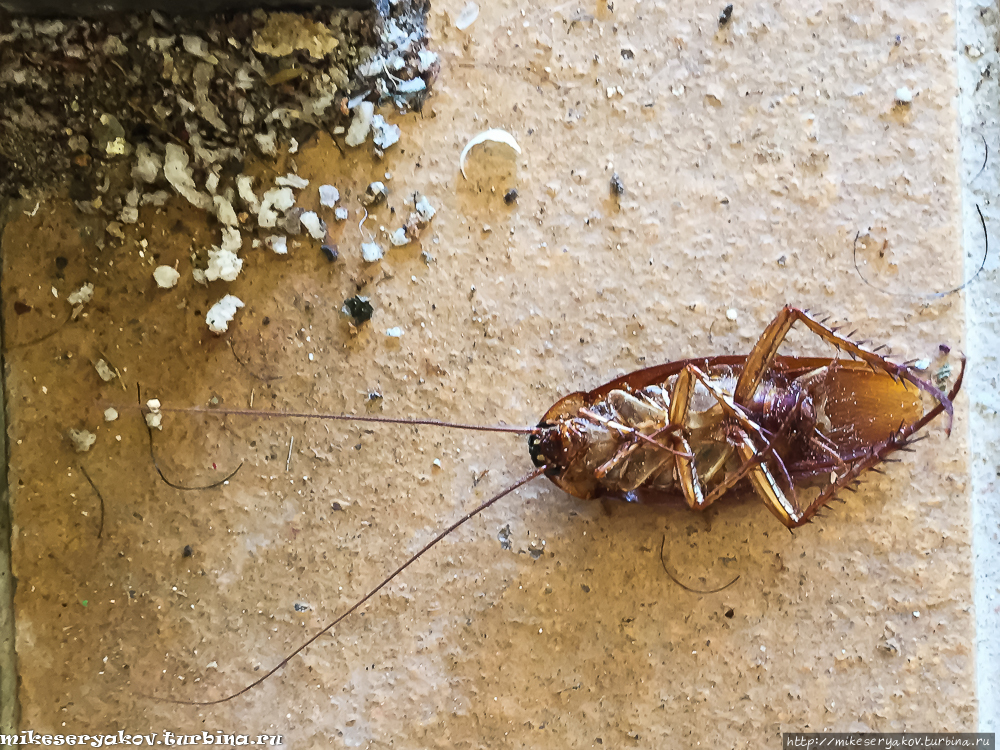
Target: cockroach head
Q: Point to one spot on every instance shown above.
(537, 444)
(553, 446)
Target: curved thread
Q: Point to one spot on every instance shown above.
(931, 295)
(152, 457)
(688, 588)
(100, 497)
(213, 485)
(986, 157)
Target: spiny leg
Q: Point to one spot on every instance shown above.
(878, 454)
(753, 458)
(764, 351)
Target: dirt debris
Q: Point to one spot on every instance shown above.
(88, 102)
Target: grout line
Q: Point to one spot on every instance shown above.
(977, 24)
(9, 704)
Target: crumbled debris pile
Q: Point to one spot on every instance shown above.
(88, 102)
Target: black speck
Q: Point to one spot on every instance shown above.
(628, 54)
(725, 15)
(360, 309)
(330, 251)
(266, 321)
(21, 308)
(617, 186)
(730, 613)
(131, 593)
(585, 587)
(781, 260)
(510, 197)
(61, 263)
(944, 349)
(187, 551)
(336, 506)
(300, 607)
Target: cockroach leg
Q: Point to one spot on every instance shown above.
(631, 432)
(752, 456)
(764, 351)
(819, 440)
(677, 415)
(879, 453)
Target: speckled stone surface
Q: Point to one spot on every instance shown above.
(752, 156)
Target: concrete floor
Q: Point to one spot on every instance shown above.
(752, 156)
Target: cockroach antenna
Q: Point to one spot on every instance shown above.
(259, 414)
(358, 604)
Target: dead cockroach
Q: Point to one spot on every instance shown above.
(694, 430)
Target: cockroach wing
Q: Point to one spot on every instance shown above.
(858, 409)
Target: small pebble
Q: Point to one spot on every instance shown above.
(371, 252)
(359, 308)
(328, 195)
(166, 277)
(510, 197)
(375, 194)
(617, 186)
(82, 440)
(330, 251)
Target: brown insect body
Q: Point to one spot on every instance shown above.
(691, 430)
(578, 449)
